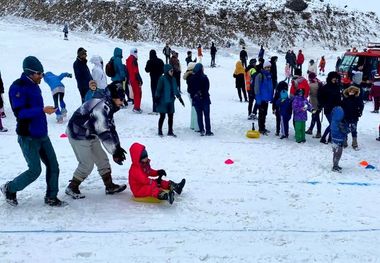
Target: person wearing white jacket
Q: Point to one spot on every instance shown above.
(98, 73)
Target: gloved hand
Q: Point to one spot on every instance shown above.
(181, 101)
(69, 75)
(161, 172)
(314, 111)
(119, 155)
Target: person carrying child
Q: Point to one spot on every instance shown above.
(141, 179)
(300, 106)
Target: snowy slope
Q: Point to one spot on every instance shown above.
(278, 202)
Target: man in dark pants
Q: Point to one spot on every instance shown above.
(329, 96)
(82, 73)
(155, 67)
(264, 94)
(28, 107)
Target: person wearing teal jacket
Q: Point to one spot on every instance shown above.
(165, 95)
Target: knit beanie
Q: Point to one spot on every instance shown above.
(32, 65)
(198, 67)
(116, 90)
(267, 64)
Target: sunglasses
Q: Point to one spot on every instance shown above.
(35, 72)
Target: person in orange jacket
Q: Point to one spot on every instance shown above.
(141, 179)
(322, 65)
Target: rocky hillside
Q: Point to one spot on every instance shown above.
(187, 23)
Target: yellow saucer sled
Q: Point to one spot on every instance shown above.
(252, 134)
(147, 199)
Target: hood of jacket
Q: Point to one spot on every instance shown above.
(152, 54)
(135, 151)
(337, 114)
(347, 91)
(96, 60)
(118, 52)
(167, 67)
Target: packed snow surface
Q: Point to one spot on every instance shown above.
(278, 201)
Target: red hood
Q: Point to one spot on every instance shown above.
(135, 151)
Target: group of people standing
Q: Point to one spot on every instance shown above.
(342, 105)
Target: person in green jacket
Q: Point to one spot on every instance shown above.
(166, 92)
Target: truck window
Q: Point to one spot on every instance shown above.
(347, 63)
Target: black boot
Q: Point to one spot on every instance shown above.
(9, 197)
(54, 201)
(73, 189)
(166, 196)
(112, 188)
(177, 187)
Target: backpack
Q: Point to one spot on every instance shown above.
(110, 68)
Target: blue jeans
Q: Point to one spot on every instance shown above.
(36, 150)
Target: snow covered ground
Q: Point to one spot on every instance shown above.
(278, 202)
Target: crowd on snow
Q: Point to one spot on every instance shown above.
(92, 125)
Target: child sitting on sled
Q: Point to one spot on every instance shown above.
(142, 181)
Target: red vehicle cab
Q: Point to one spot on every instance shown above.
(369, 58)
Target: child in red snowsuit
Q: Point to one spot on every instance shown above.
(140, 177)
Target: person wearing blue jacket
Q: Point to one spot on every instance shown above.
(82, 72)
(120, 70)
(58, 92)
(339, 130)
(28, 107)
(264, 93)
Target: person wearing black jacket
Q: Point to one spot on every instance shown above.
(213, 54)
(199, 85)
(82, 72)
(155, 67)
(91, 124)
(353, 106)
(275, 108)
(329, 96)
(243, 57)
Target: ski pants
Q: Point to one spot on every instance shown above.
(59, 97)
(137, 94)
(299, 127)
(151, 189)
(263, 110)
(337, 153)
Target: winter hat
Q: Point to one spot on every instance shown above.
(198, 67)
(32, 65)
(282, 86)
(134, 52)
(144, 154)
(167, 68)
(116, 90)
(81, 51)
(267, 64)
(312, 75)
(357, 77)
(284, 94)
(252, 61)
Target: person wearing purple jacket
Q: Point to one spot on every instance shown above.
(300, 107)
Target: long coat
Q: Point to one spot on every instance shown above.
(166, 92)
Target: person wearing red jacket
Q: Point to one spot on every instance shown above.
(299, 82)
(300, 59)
(135, 79)
(141, 179)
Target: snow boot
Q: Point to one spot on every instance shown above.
(309, 131)
(166, 196)
(318, 135)
(177, 187)
(64, 112)
(73, 189)
(355, 143)
(345, 144)
(337, 169)
(54, 201)
(9, 197)
(112, 188)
